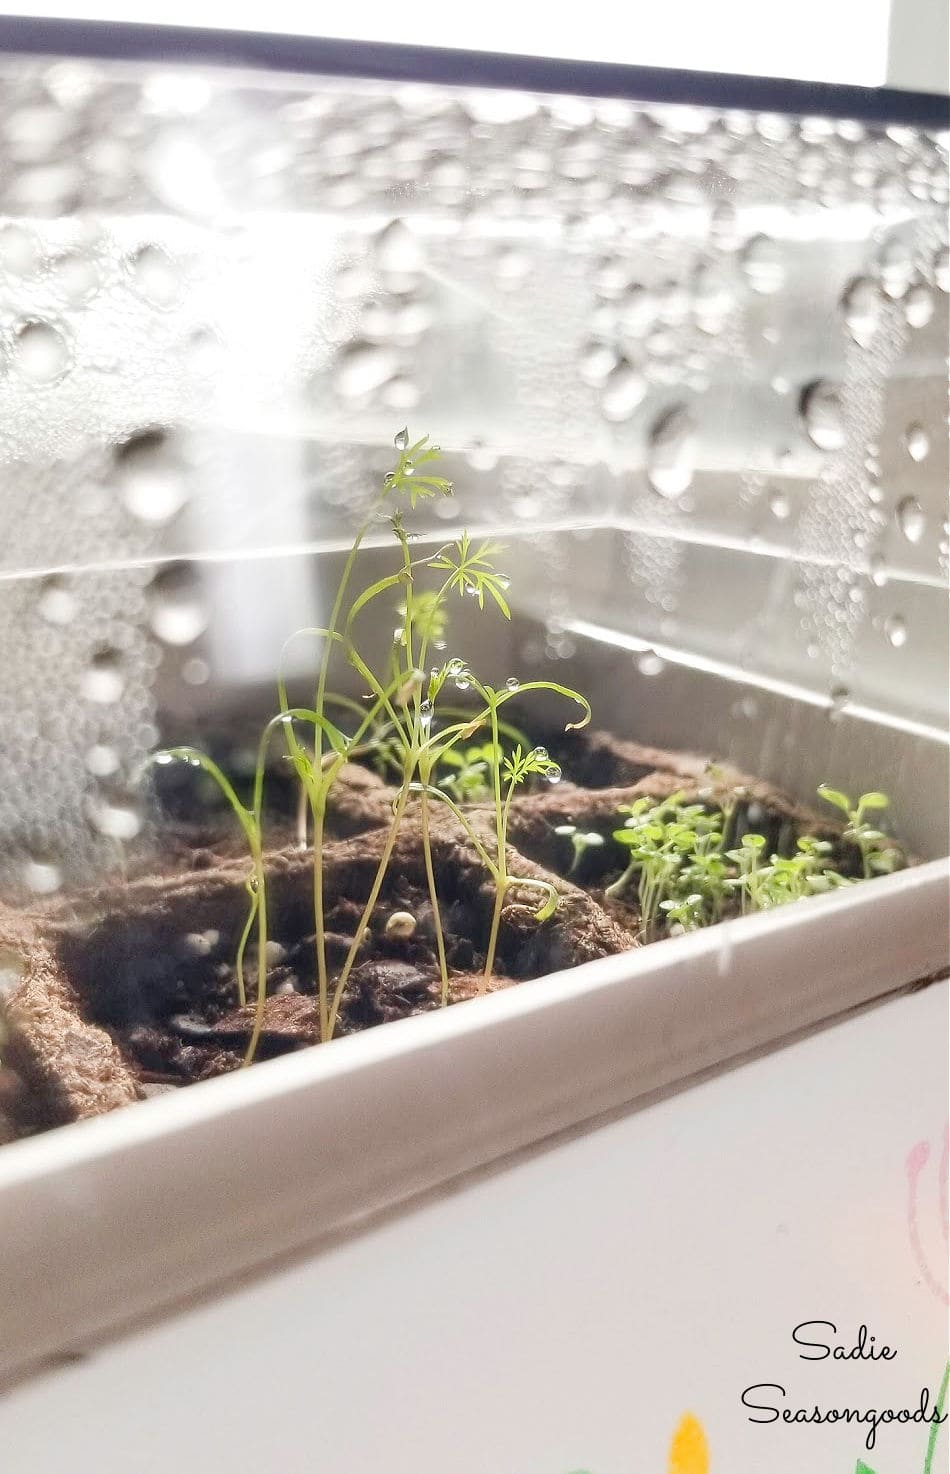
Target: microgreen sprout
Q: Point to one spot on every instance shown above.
(685, 914)
(581, 843)
(879, 855)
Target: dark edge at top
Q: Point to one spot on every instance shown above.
(103, 40)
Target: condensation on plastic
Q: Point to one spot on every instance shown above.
(722, 335)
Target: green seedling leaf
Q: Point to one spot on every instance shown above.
(874, 801)
(835, 796)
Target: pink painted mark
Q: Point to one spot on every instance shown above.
(917, 1159)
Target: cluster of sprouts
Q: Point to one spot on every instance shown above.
(689, 865)
(409, 724)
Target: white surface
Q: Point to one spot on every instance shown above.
(564, 1313)
(845, 41)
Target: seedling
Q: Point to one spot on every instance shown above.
(684, 915)
(396, 727)
(580, 842)
(879, 856)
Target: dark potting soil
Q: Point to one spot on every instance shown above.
(130, 989)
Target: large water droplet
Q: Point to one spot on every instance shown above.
(877, 567)
(919, 305)
(364, 367)
(670, 454)
(820, 410)
(103, 679)
(862, 307)
(151, 480)
(596, 361)
(650, 664)
(917, 442)
(155, 276)
(102, 760)
(896, 630)
(779, 504)
(42, 876)
(624, 389)
(177, 614)
(397, 250)
(40, 352)
(115, 817)
(764, 265)
(911, 519)
(56, 602)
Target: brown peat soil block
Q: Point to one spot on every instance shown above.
(131, 989)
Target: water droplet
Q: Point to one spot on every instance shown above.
(764, 265)
(918, 305)
(151, 480)
(540, 753)
(116, 818)
(19, 252)
(877, 569)
(195, 672)
(76, 277)
(840, 696)
(896, 266)
(820, 410)
(942, 269)
(102, 760)
(553, 774)
(779, 504)
(911, 519)
(895, 630)
(624, 388)
(364, 367)
(42, 876)
(103, 680)
(425, 713)
(155, 276)
(513, 684)
(176, 612)
(596, 362)
(462, 684)
(650, 664)
(917, 442)
(862, 308)
(401, 441)
(670, 457)
(40, 352)
(203, 352)
(455, 667)
(56, 602)
(397, 250)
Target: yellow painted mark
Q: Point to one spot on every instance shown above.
(689, 1451)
